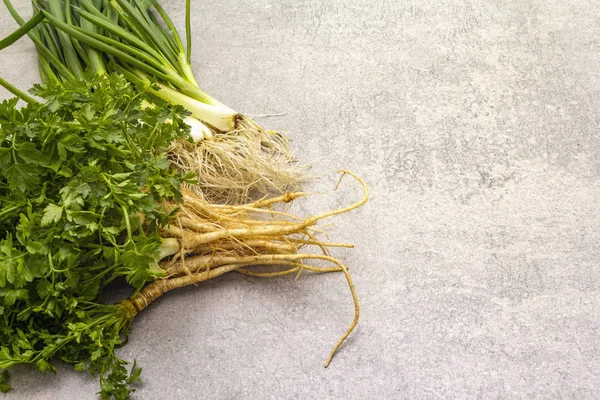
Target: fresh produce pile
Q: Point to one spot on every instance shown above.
(120, 168)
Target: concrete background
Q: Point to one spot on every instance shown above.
(477, 259)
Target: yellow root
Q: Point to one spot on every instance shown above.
(239, 228)
(157, 288)
(216, 239)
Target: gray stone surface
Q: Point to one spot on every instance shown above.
(477, 259)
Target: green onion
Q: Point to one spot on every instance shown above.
(40, 46)
(17, 92)
(188, 30)
(82, 34)
(55, 7)
(22, 31)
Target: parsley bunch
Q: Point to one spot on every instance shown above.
(82, 180)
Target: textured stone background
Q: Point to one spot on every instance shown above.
(477, 259)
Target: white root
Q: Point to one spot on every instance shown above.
(233, 167)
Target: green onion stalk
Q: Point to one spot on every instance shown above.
(138, 39)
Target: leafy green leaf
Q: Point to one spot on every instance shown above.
(78, 174)
(22, 176)
(29, 153)
(44, 366)
(52, 214)
(4, 386)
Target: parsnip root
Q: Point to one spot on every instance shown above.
(217, 239)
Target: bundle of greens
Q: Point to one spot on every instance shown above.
(232, 156)
(76, 175)
(93, 190)
(88, 195)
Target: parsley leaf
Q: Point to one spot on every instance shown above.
(82, 180)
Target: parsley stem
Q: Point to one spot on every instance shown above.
(127, 223)
(150, 137)
(9, 210)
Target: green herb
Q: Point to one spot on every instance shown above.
(76, 174)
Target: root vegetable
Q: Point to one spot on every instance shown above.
(109, 177)
(89, 195)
